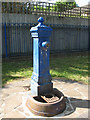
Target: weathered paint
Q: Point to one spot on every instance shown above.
(41, 78)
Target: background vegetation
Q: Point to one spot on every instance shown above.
(16, 7)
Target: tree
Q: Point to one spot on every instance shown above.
(63, 6)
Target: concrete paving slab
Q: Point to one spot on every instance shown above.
(12, 102)
(14, 114)
(14, 96)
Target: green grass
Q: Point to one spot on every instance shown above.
(71, 67)
(15, 70)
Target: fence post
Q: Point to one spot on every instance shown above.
(49, 8)
(5, 40)
(88, 39)
(80, 12)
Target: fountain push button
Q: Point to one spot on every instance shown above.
(45, 45)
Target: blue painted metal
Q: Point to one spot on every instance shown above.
(41, 78)
(5, 40)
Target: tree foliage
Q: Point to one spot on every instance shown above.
(63, 6)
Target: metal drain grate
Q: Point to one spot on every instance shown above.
(50, 98)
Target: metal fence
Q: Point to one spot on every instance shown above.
(17, 40)
(45, 8)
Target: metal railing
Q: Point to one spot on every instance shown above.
(44, 8)
(17, 41)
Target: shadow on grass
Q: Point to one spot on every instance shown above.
(16, 70)
(70, 68)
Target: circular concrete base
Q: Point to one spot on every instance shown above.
(49, 106)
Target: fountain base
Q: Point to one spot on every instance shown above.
(47, 105)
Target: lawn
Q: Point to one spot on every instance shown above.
(67, 67)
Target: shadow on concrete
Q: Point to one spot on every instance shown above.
(67, 80)
(73, 103)
(80, 103)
